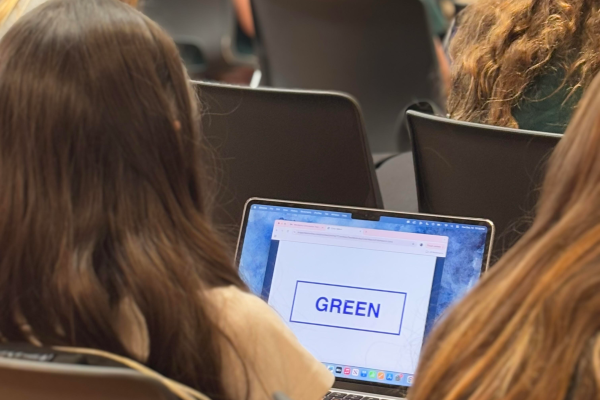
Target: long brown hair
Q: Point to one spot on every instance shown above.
(502, 46)
(102, 190)
(531, 328)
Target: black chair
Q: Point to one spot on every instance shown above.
(286, 144)
(379, 51)
(204, 31)
(396, 178)
(476, 170)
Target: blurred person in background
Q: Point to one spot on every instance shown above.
(106, 240)
(11, 10)
(523, 63)
(531, 328)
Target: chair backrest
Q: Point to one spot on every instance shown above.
(396, 178)
(31, 380)
(206, 25)
(379, 51)
(286, 144)
(476, 170)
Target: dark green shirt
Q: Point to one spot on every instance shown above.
(437, 22)
(545, 109)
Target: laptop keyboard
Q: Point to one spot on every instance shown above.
(346, 396)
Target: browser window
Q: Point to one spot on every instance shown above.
(354, 296)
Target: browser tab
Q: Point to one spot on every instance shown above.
(373, 239)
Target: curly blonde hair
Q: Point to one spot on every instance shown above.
(502, 46)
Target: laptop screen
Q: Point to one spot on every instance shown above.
(360, 295)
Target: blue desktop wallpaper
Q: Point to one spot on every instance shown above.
(462, 266)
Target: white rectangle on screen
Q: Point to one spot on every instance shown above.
(347, 307)
(411, 274)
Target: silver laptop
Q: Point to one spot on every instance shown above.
(360, 288)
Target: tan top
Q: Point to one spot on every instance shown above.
(259, 341)
(261, 355)
(273, 357)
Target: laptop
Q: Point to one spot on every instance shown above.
(360, 288)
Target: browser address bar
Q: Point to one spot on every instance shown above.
(407, 243)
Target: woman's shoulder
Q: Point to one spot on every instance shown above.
(231, 294)
(258, 346)
(249, 320)
(236, 307)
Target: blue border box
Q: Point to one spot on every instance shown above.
(344, 327)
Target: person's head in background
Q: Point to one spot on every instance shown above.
(12, 10)
(523, 63)
(531, 328)
(105, 232)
